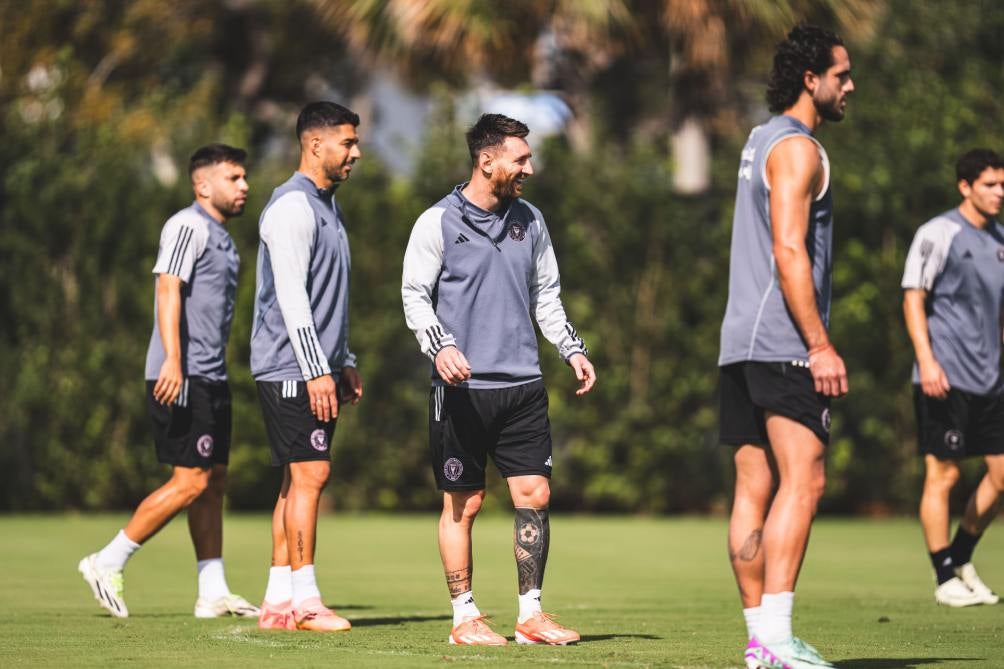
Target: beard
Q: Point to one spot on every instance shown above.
(830, 108)
(507, 188)
(231, 208)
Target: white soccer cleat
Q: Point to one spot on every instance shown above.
(106, 584)
(967, 574)
(230, 605)
(956, 594)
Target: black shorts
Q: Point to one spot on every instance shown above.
(466, 425)
(959, 426)
(749, 389)
(294, 433)
(195, 430)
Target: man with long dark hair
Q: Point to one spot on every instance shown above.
(779, 369)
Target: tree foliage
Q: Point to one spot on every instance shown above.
(100, 104)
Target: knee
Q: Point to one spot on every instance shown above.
(191, 485)
(463, 507)
(941, 480)
(310, 475)
(217, 484)
(533, 494)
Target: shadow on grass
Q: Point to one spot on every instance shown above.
(606, 637)
(349, 607)
(396, 620)
(900, 662)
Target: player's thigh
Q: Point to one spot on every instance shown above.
(740, 421)
(942, 424)
(189, 432)
(294, 433)
(459, 439)
(523, 447)
(787, 390)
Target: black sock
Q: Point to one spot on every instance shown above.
(944, 568)
(963, 545)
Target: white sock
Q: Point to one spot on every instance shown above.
(118, 551)
(280, 585)
(752, 616)
(304, 584)
(464, 607)
(212, 580)
(529, 604)
(775, 618)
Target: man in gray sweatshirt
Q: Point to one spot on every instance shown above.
(188, 397)
(478, 270)
(299, 347)
(953, 302)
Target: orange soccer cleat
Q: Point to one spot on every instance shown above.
(276, 616)
(476, 632)
(541, 628)
(314, 616)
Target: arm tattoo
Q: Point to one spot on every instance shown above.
(531, 542)
(750, 547)
(459, 581)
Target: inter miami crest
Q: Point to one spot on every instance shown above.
(452, 469)
(954, 440)
(205, 445)
(517, 231)
(319, 440)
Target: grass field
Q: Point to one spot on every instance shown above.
(643, 593)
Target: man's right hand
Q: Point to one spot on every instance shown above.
(828, 371)
(323, 394)
(933, 380)
(452, 366)
(168, 385)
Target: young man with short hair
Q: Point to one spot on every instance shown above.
(953, 296)
(478, 270)
(779, 369)
(299, 347)
(188, 397)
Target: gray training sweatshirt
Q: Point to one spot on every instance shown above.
(476, 279)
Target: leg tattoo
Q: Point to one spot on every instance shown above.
(299, 544)
(531, 543)
(750, 547)
(459, 581)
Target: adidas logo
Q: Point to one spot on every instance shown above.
(547, 463)
(461, 239)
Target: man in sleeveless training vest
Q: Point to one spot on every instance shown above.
(188, 397)
(779, 369)
(954, 306)
(299, 347)
(478, 270)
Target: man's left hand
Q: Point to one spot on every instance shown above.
(584, 372)
(352, 385)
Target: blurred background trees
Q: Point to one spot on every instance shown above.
(102, 102)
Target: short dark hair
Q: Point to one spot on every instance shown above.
(490, 131)
(324, 114)
(807, 47)
(974, 161)
(213, 154)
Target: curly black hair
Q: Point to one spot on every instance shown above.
(973, 162)
(807, 47)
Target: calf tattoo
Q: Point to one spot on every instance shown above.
(531, 543)
(750, 547)
(459, 581)
(299, 544)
